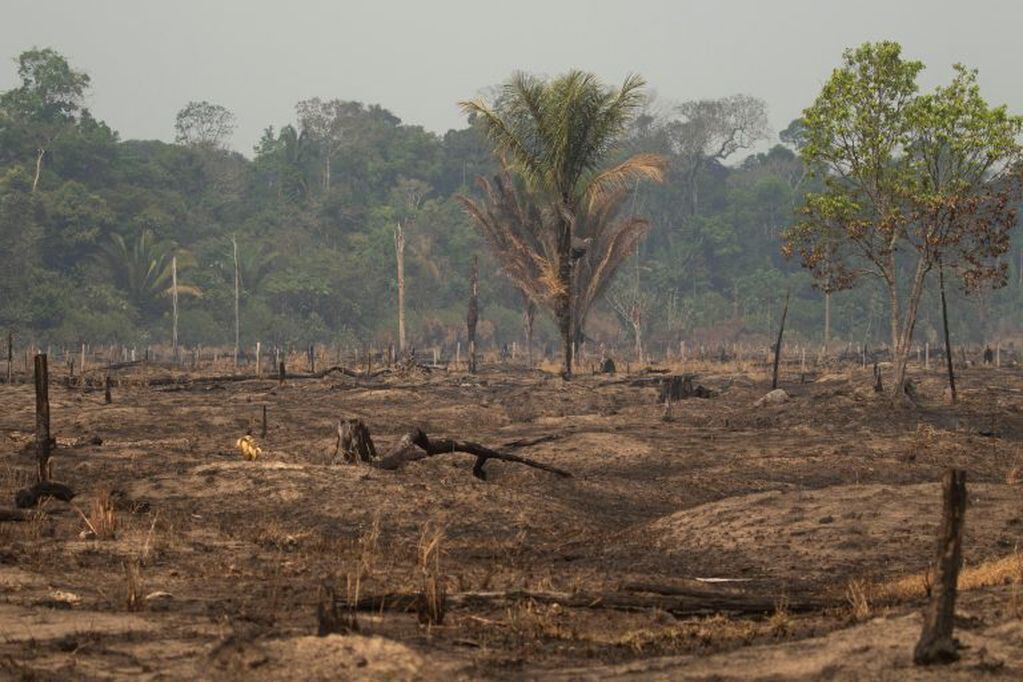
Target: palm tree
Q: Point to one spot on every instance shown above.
(522, 236)
(556, 134)
(142, 268)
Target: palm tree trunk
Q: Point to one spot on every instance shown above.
(563, 303)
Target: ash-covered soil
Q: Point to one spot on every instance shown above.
(227, 558)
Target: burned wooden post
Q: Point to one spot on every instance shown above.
(42, 380)
(936, 643)
(262, 431)
(107, 398)
(472, 317)
(280, 374)
(777, 345)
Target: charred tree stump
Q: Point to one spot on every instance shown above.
(937, 644)
(281, 373)
(107, 398)
(354, 443)
(607, 366)
(262, 431)
(43, 443)
(330, 619)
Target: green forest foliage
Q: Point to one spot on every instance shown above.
(89, 223)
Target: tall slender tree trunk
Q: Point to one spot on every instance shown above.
(237, 297)
(904, 336)
(563, 304)
(40, 153)
(528, 321)
(827, 320)
(174, 306)
(777, 345)
(399, 251)
(472, 315)
(948, 342)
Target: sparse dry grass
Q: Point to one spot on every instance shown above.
(432, 593)
(1006, 570)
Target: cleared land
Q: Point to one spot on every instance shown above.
(821, 514)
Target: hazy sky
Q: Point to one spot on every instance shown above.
(418, 58)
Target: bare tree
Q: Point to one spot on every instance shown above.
(331, 125)
(630, 304)
(713, 130)
(204, 125)
(410, 194)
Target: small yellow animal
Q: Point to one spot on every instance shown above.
(249, 448)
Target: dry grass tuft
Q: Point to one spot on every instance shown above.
(857, 594)
(432, 595)
(101, 521)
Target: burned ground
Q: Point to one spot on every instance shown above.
(824, 499)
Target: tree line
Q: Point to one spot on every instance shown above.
(610, 217)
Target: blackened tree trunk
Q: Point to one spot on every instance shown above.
(42, 381)
(948, 344)
(936, 643)
(777, 345)
(472, 316)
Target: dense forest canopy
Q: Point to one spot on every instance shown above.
(90, 223)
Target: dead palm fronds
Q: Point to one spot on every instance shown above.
(522, 236)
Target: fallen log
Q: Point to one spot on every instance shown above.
(30, 497)
(415, 445)
(678, 605)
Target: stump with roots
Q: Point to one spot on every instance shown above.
(354, 443)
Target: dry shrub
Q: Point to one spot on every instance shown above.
(101, 521)
(431, 603)
(857, 594)
(780, 621)
(1014, 476)
(924, 440)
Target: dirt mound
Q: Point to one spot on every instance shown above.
(834, 532)
(350, 657)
